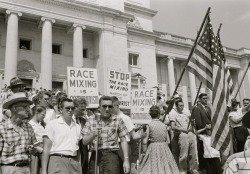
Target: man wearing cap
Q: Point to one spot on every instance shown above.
(61, 143)
(16, 136)
(16, 85)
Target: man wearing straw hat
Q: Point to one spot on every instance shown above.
(16, 136)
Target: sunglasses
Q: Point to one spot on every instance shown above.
(70, 108)
(107, 106)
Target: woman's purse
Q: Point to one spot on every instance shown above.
(238, 166)
(244, 167)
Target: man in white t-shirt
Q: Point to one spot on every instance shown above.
(127, 120)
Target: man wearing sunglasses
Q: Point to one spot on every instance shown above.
(111, 127)
(61, 142)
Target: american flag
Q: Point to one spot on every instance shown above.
(200, 63)
(227, 69)
(221, 135)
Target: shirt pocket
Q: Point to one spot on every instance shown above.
(112, 134)
(9, 146)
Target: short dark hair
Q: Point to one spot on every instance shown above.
(38, 109)
(246, 99)
(154, 111)
(80, 101)
(177, 102)
(105, 97)
(63, 100)
(202, 95)
(46, 93)
(115, 99)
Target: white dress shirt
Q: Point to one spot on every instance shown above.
(64, 138)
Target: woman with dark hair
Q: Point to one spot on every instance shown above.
(158, 157)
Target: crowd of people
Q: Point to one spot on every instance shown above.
(47, 132)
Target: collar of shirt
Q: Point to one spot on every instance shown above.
(9, 125)
(62, 121)
(205, 107)
(111, 118)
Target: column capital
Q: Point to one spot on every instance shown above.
(79, 25)
(8, 12)
(171, 57)
(72, 28)
(43, 19)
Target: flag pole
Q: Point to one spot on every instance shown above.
(189, 57)
(242, 80)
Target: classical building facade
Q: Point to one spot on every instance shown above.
(40, 38)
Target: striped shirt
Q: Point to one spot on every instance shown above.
(14, 143)
(109, 132)
(181, 119)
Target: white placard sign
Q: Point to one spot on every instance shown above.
(142, 100)
(119, 85)
(82, 82)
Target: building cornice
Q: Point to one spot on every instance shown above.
(187, 42)
(147, 11)
(77, 5)
(142, 32)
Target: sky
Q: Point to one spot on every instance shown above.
(184, 18)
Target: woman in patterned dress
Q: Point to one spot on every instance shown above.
(158, 158)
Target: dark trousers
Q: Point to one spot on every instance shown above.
(108, 163)
(84, 157)
(213, 166)
(241, 133)
(175, 147)
(202, 162)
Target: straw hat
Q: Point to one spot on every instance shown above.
(15, 98)
(246, 120)
(15, 81)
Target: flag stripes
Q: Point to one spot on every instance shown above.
(221, 137)
(200, 63)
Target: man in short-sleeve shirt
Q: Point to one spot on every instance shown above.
(111, 127)
(16, 136)
(61, 143)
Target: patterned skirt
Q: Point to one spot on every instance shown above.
(158, 160)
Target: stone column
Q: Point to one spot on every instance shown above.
(10, 67)
(192, 86)
(171, 77)
(78, 45)
(185, 96)
(46, 53)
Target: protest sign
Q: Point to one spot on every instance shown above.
(119, 85)
(82, 82)
(142, 100)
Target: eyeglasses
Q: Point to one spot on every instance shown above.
(23, 106)
(70, 108)
(107, 106)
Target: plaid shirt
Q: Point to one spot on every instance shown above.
(109, 132)
(14, 143)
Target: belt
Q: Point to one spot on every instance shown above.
(63, 156)
(108, 150)
(18, 163)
